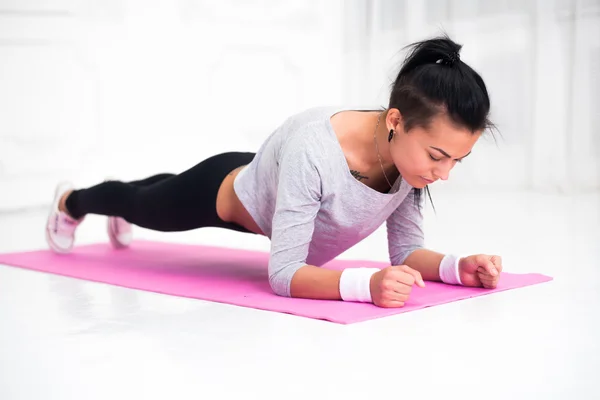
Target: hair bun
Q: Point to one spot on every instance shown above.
(450, 60)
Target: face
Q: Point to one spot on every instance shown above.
(423, 156)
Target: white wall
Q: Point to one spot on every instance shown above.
(129, 88)
(541, 62)
(132, 88)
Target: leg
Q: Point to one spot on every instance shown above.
(143, 182)
(164, 202)
(172, 203)
(152, 180)
(119, 230)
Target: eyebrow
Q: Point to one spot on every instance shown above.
(448, 155)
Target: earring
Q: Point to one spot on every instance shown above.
(391, 135)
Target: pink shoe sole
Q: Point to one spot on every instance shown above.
(118, 240)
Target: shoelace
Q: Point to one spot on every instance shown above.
(63, 225)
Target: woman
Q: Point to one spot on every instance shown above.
(320, 183)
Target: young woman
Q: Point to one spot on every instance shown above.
(320, 183)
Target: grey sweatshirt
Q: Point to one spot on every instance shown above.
(301, 194)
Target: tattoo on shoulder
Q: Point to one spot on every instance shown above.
(357, 175)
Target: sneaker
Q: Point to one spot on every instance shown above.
(60, 227)
(119, 232)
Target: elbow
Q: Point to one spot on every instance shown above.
(401, 256)
(278, 285)
(280, 278)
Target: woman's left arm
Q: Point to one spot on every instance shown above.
(406, 240)
(406, 247)
(427, 262)
(479, 270)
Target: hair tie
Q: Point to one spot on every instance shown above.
(450, 60)
(454, 57)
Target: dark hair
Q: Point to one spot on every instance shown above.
(432, 81)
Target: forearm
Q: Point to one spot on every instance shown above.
(427, 262)
(316, 283)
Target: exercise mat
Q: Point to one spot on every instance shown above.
(231, 276)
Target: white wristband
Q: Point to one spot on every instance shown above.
(449, 271)
(355, 284)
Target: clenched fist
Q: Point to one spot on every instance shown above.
(480, 270)
(392, 286)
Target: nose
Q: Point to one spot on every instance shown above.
(442, 172)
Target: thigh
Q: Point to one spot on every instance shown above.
(151, 180)
(188, 200)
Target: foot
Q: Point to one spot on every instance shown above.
(119, 232)
(60, 226)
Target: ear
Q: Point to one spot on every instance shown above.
(393, 120)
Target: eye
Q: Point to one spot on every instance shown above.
(433, 158)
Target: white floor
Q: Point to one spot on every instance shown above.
(62, 338)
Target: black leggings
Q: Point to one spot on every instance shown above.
(164, 202)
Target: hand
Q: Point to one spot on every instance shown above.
(480, 270)
(391, 286)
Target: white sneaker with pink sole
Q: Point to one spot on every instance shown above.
(60, 227)
(119, 232)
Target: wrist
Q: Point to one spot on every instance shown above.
(355, 284)
(450, 269)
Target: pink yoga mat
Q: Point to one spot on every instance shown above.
(231, 276)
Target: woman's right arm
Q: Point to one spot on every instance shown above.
(297, 205)
(389, 287)
(312, 282)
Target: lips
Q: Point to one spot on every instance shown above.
(427, 180)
